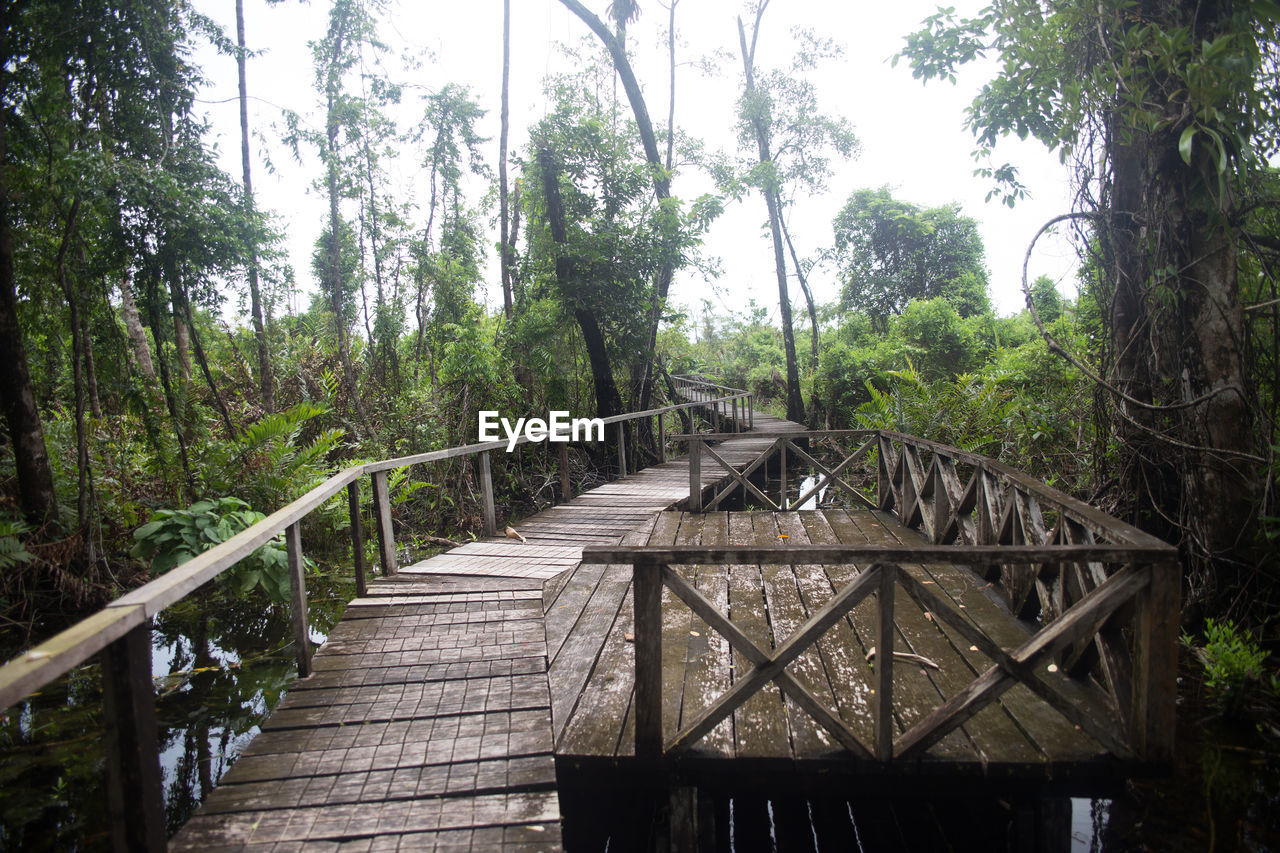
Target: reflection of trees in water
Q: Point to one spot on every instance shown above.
(229, 665)
(228, 661)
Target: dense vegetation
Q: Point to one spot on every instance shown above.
(159, 391)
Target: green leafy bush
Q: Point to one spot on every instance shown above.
(174, 536)
(12, 551)
(1234, 664)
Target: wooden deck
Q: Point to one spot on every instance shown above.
(1019, 739)
(428, 721)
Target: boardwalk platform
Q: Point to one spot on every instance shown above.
(427, 722)
(771, 742)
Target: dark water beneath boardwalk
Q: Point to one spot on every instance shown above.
(220, 665)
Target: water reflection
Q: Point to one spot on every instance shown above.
(806, 486)
(220, 665)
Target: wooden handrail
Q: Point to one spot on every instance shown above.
(121, 630)
(36, 667)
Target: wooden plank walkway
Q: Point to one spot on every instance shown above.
(1019, 739)
(428, 720)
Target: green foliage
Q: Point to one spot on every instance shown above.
(174, 536)
(12, 551)
(1046, 299)
(1234, 664)
(891, 251)
(271, 463)
(1205, 81)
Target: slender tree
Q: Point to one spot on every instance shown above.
(504, 235)
(769, 189)
(614, 41)
(266, 380)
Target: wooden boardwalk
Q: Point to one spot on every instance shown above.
(428, 720)
(770, 741)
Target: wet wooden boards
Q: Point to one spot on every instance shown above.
(1018, 738)
(427, 723)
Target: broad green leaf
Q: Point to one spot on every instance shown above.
(1184, 144)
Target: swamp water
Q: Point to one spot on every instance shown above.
(219, 665)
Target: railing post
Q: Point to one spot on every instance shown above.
(298, 597)
(647, 593)
(382, 520)
(751, 409)
(565, 486)
(622, 449)
(486, 494)
(884, 664)
(135, 800)
(1155, 663)
(695, 475)
(884, 473)
(662, 437)
(357, 539)
(782, 444)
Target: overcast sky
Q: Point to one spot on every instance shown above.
(912, 135)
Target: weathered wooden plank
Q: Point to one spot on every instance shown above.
(706, 673)
(647, 586)
(595, 725)
(1083, 618)
(760, 724)
(356, 820)
(914, 693)
(1155, 669)
(382, 522)
(484, 776)
(786, 615)
(1053, 736)
(843, 654)
(971, 555)
(134, 804)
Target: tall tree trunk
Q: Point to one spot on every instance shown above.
(1173, 460)
(808, 296)
(84, 500)
(133, 325)
(671, 88)
(36, 497)
(795, 404)
(659, 174)
(90, 371)
(266, 380)
(504, 238)
(153, 305)
(336, 297)
(204, 366)
(181, 333)
(1189, 460)
(608, 400)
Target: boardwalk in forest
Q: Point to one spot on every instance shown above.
(427, 722)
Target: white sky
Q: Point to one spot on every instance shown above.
(912, 135)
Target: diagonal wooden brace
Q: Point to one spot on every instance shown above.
(771, 667)
(830, 476)
(1083, 618)
(742, 478)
